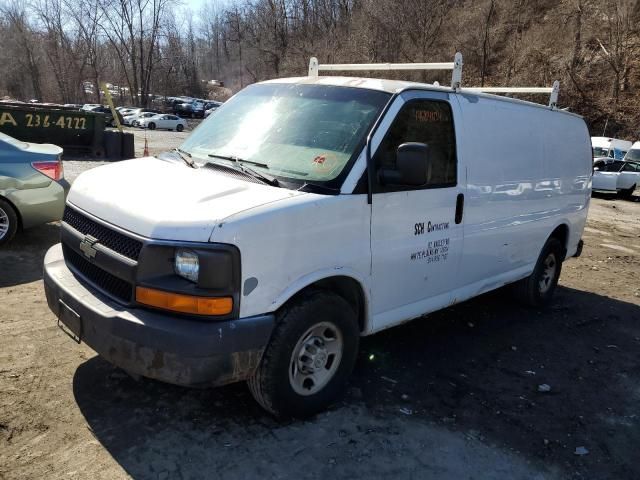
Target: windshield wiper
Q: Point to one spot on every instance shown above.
(319, 187)
(186, 156)
(268, 179)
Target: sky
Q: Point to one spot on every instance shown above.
(195, 5)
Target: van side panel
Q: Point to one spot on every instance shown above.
(528, 171)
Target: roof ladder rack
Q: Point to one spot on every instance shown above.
(552, 91)
(456, 75)
(455, 67)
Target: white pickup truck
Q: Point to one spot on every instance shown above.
(308, 212)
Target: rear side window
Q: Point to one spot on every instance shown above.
(423, 121)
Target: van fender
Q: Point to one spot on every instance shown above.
(309, 279)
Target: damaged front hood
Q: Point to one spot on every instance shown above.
(167, 200)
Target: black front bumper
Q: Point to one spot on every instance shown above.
(165, 347)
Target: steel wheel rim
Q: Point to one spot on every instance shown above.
(548, 274)
(315, 358)
(4, 223)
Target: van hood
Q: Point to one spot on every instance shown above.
(167, 200)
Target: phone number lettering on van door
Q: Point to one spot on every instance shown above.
(436, 251)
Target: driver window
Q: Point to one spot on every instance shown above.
(423, 121)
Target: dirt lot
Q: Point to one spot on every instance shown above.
(452, 396)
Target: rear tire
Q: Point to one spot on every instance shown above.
(538, 288)
(310, 356)
(8, 222)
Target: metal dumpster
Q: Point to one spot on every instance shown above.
(68, 128)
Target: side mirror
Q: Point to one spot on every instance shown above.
(412, 164)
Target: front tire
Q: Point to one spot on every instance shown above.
(538, 288)
(152, 126)
(310, 356)
(8, 222)
(179, 128)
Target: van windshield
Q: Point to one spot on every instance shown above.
(308, 133)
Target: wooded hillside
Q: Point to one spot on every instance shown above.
(50, 47)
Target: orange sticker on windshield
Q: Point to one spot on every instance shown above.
(324, 162)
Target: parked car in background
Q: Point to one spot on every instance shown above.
(135, 120)
(616, 176)
(211, 107)
(32, 185)
(606, 147)
(197, 109)
(184, 109)
(106, 111)
(130, 115)
(90, 106)
(163, 121)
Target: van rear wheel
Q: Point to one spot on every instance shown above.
(538, 288)
(310, 356)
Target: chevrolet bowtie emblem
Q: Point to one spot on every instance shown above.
(87, 246)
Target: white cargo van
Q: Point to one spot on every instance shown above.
(606, 147)
(308, 212)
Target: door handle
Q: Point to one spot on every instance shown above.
(459, 208)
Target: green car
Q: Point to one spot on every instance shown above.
(32, 185)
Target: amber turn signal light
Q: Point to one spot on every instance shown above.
(178, 302)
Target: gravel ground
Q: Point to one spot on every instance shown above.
(454, 395)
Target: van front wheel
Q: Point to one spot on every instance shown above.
(538, 288)
(309, 358)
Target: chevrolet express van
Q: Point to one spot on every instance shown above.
(308, 212)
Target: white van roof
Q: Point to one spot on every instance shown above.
(606, 142)
(396, 86)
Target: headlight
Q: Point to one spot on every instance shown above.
(186, 264)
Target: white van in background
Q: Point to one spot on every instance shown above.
(606, 147)
(308, 212)
(633, 155)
